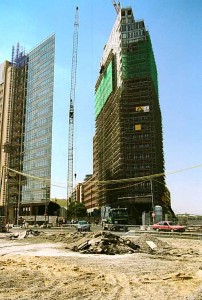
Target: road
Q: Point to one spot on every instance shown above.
(133, 230)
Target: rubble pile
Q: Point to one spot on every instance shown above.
(24, 234)
(68, 238)
(106, 243)
(149, 243)
(102, 242)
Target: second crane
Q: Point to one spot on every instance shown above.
(71, 108)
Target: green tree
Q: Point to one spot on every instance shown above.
(77, 210)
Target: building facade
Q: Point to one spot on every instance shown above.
(27, 143)
(128, 137)
(89, 193)
(4, 98)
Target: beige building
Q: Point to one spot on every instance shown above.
(5, 70)
(89, 193)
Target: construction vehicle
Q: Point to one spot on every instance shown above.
(114, 218)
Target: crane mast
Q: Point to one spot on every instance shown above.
(117, 6)
(71, 108)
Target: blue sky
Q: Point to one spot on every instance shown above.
(175, 28)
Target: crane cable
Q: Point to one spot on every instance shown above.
(134, 179)
(147, 177)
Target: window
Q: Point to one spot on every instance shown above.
(123, 28)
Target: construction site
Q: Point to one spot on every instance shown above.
(99, 265)
(128, 156)
(126, 243)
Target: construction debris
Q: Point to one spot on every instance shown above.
(106, 243)
(149, 243)
(102, 242)
(24, 234)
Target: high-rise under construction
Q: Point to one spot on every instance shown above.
(128, 147)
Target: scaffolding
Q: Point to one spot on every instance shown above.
(129, 140)
(14, 136)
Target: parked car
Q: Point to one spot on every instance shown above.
(168, 226)
(83, 226)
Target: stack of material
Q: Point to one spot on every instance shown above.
(106, 243)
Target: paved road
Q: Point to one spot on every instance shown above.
(133, 231)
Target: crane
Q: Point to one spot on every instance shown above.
(117, 6)
(71, 107)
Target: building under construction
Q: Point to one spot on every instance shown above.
(128, 138)
(26, 131)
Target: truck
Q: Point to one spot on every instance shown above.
(114, 218)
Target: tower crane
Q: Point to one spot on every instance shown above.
(71, 107)
(116, 6)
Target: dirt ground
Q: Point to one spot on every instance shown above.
(45, 267)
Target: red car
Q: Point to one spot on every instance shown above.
(168, 226)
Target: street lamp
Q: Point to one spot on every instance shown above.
(46, 196)
(152, 198)
(17, 192)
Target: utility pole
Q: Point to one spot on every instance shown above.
(71, 108)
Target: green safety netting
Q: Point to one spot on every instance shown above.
(104, 90)
(140, 63)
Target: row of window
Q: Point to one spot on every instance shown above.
(37, 164)
(35, 76)
(35, 144)
(142, 156)
(133, 34)
(133, 26)
(38, 123)
(38, 105)
(41, 46)
(42, 64)
(127, 20)
(37, 93)
(40, 58)
(134, 40)
(37, 52)
(36, 134)
(34, 184)
(39, 113)
(36, 154)
(36, 113)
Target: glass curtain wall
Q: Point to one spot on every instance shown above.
(38, 122)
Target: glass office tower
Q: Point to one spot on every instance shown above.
(26, 96)
(38, 124)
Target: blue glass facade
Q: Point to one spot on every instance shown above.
(38, 122)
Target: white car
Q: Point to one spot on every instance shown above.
(83, 226)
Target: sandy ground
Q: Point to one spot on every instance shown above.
(45, 268)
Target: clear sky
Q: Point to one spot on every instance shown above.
(175, 28)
